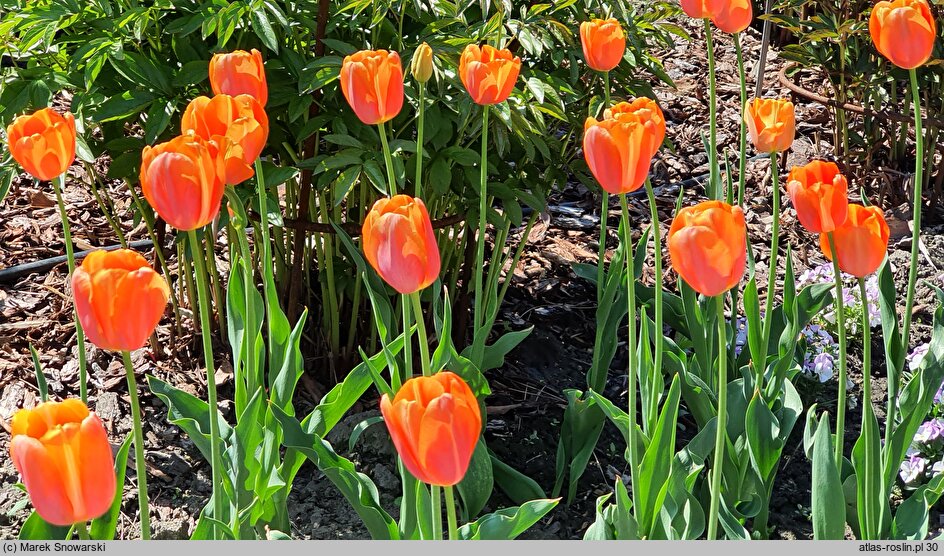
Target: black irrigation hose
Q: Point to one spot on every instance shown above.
(8, 275)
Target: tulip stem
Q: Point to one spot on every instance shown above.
(203, 297)
(451, 514)
(58, 184)
(659, 335)
(267, 279)
(915, 252)
(714, 178)
(631, 346)
(82, 530)
(421, 332)
(388, 159)
(480, 246)
(720, 433)
(774, 252)
(870, 515)
(407, 342)
(604, 208)
(437, 512)
(841, 330)
(139, 465)
(743, 130)
(418, 186)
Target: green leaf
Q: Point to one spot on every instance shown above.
(829, 505)
(515, 484)
(263, 29)
(508, 523)
(656, 462)
(40, 377)
(580, 431)
(37, 529)
(477, 485)
(356, 487)
(764, 440)
(104, 527)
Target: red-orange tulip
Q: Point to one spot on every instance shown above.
(240, 119)
(903, 31)
(731, 16)
(819, 194)
(488, 74)
(239, 73)
(861, 241)
(771, 123)
(62, 454)
(119, 299)
(43, 143)
(604, 43)
(619, 148)
(698, 9)
(182, 180)
(435, 424)
(372, 83)
(399, 243)
(708, 246)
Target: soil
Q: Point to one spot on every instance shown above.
(525, 411)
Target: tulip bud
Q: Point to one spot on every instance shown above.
(861, 242)
(239, 73)
(435, 423)
(708, 246)
(488, 74)
(903, 31)
(372, 83)
(771, 124)
(399, 243)
(241, 119)
(43, 143)
(182, 179)
(61, 451)
(119, 299)
(619, 148)
(819, 194)
(422, 64)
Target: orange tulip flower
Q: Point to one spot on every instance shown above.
(399, 243)
(435, 423)
(771, 123)
(488, 74)
(61, 452)
(619, 148)
(604, 43)
(239, 73)
(119, 299)
(240, 119)
(903, 31)
(819, 194)
(731, 16)
(372, 83)
(43, 143)
(708, 246)
(182, 180)
(698, 9)
(861, 241)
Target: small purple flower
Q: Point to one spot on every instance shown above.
(912, 469)
(937, 468)
(930, 431)
(915, 357)
(823, 366)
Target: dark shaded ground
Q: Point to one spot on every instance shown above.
(526, 408)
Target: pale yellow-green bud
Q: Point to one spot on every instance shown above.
(422, 64)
